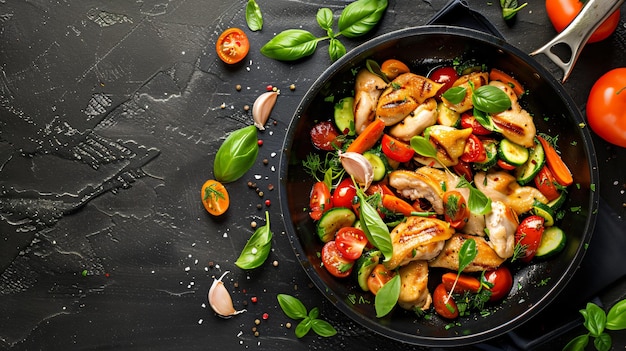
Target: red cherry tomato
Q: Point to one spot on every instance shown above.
(350, 241)
(546, 184)
(456, 211)
(379, 277)
(444, 75)
(502, 281)
(319, 200)
(324, 135)
(606, 107)
(334, 262)
(528, 234)
(396, 150)
(444, 306)
(464, 169)
(469, 121)
(474, 150)
(505, 165)
(563, 12)
(232, 45)
(344, 194)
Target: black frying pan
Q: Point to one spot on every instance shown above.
(423, 48)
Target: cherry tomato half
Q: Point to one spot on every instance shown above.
(528, 234)
(563, 12)
(324, 136)
(214, 197)
(445, 306)
(469, 121)
(474, 150)
(379, 277)
(606, 107)
(456, 211)
(344, 194)
(232, 45)
(350, 241)
(334, 262)
(319, 201)
(502, 282)
(464, 169)
(396, 150)
(444, 75)
(546, 184)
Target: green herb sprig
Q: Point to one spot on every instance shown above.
(373, 226)
(596, 322)
(355, 20)
(257, 248)
(510, 8)
(295, 309)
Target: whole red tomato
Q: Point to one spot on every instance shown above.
(606, 107)
(562, 13)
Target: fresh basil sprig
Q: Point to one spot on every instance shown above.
(355, 20)
(257, 248)
(254, 17)
(510, 8)
(423, 147)
(387, 296)
(478, 202)
(236, 155)
(295, 309)
(596, 322)
(373, 226)
(486, 98)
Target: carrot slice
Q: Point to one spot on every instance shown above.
(464, 284)
(559, 169)
(496, 74)
(368, 138)
(397, 205)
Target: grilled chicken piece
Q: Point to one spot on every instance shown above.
(418, 238)
(425, 115)
(515, 124)
(449, 143)
(403, 95)
(414, 292)
(478, 79)
(501, 186)
(486, 259)
(368, 88)
(502, 223)
(475, 224)
(425, 183)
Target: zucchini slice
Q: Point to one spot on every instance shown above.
(558, 202)
(537, 158)
(333, 220)
(552, 242)
(491, 148)
(365, 265)
(344, 116)
(512, 153)
(379, 164)
(543, 210)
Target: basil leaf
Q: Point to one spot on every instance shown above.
(373, 226)
(291, 306)
(595, 319)
(323, 328)
(423, 147)
(387, 297)
(236, 155)
(314, 313)
(467, 253)
(510, 8)
(485, 120)
(336, 49)
(374, 68)
(303, 327)
(290, 45)
(455, 94)
(254, 18)
(490, 99)
(478, 202)
(360, 17)
(616, 319)
(257, 248)
(578, 343)
(603, 342)
(325, 18)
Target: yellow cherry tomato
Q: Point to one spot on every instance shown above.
(214, 197)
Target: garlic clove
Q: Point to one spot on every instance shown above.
(358, 167)
(220, 300)
(263, 107)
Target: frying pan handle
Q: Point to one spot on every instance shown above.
(576, 34)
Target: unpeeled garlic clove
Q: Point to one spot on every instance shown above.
(358, 167)
(262, 108)
(220, 299)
